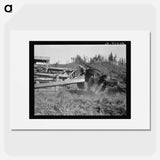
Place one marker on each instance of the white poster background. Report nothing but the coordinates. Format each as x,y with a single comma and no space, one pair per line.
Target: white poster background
140,80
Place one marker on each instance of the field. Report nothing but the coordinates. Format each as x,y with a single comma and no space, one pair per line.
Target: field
73,101
76,102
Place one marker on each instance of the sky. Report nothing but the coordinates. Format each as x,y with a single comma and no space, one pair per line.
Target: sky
63,53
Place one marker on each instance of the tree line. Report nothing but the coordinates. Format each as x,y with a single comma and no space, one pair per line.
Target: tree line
112,59
100,58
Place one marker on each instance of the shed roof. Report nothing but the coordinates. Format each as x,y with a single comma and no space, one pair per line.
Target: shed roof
41,58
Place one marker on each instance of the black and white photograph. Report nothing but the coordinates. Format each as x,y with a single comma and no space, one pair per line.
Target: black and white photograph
80,79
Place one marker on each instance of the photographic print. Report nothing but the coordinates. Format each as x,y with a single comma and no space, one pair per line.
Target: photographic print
80,79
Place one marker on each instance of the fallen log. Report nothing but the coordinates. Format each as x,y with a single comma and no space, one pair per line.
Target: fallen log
43,79
45,75
60,83
59,69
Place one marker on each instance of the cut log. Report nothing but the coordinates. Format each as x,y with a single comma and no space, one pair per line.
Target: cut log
45,75
43,79
61,83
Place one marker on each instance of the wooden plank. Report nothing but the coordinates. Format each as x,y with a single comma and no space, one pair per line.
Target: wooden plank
43,79
44,74
62,83
59,69
50,75
52,68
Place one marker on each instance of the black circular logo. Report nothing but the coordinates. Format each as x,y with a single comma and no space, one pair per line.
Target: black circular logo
8,8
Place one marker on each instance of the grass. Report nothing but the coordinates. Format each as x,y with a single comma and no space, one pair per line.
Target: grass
78,102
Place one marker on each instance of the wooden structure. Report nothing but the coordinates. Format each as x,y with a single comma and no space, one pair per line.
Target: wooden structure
49,76
41,60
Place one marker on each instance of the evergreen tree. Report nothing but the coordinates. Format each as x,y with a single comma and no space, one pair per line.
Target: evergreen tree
110,57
